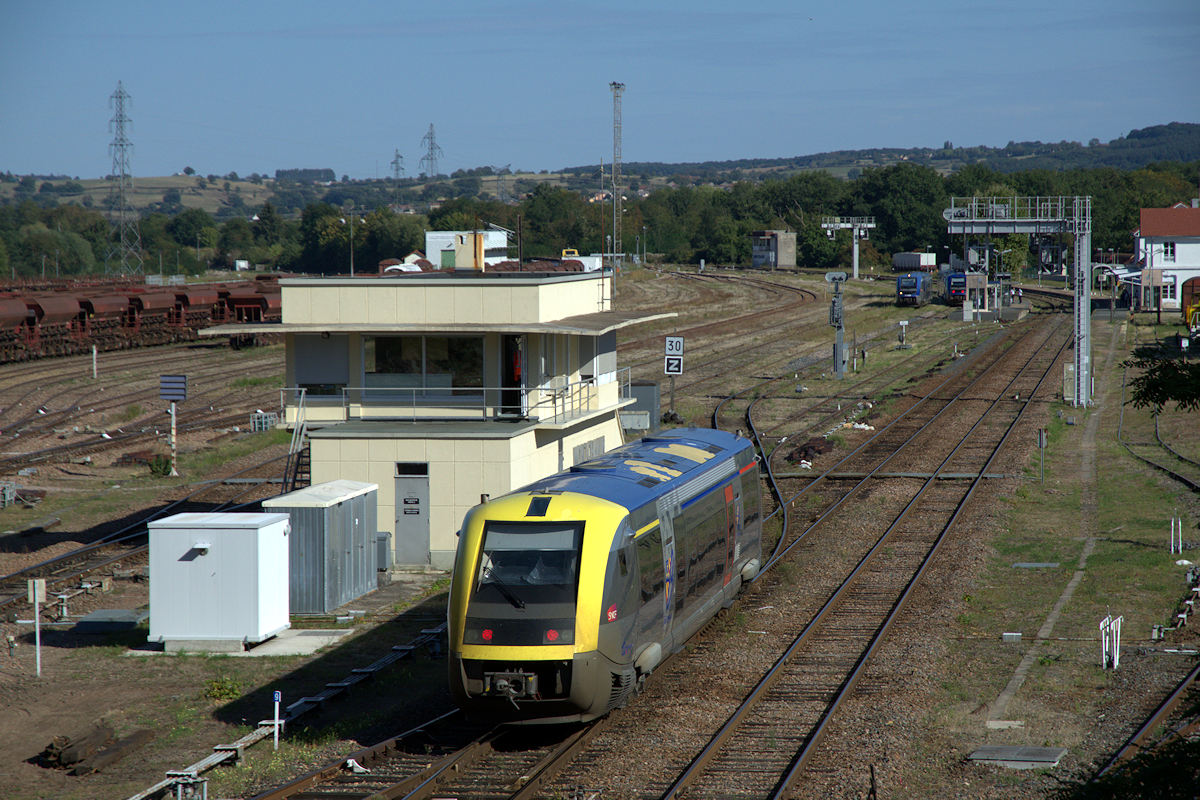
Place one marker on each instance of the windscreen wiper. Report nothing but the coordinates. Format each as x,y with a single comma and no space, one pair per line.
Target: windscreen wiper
508,593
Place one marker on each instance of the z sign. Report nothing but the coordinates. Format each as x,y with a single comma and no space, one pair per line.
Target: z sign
673,365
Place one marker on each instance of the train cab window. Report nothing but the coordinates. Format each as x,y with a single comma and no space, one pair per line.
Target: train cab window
520,556
525,585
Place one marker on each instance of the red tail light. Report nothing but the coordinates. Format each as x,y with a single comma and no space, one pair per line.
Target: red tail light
551,635
487,634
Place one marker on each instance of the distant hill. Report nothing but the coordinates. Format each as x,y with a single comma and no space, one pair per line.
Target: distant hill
1177,141
230,196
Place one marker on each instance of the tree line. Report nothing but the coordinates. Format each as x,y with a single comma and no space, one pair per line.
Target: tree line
677,224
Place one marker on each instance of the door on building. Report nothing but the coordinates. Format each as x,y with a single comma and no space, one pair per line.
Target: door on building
512,377
412,513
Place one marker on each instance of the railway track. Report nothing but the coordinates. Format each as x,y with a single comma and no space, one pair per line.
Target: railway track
513,775
763,748
1154,731
126,545
1157,453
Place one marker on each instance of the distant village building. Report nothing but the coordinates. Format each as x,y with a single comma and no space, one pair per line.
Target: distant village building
1167,256
773,249
466,249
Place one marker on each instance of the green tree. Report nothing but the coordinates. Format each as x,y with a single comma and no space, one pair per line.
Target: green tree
907,202
193,227
324,241
1163,380
268,227
388,235
236,236
52,251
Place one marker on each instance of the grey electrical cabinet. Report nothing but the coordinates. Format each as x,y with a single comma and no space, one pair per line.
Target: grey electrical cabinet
333,554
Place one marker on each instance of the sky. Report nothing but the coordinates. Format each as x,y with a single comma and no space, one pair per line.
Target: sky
258,86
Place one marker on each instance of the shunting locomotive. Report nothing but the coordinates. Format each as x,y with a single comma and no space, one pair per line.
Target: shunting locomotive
568,592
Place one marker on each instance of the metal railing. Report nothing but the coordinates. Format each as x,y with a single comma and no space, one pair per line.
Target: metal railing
298,437
1047,209
556,400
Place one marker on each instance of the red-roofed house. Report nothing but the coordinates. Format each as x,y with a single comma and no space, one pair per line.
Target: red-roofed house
1167,244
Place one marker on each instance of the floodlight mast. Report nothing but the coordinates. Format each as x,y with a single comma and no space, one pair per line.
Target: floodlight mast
617,89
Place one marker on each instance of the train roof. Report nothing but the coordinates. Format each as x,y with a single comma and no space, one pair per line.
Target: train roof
643,471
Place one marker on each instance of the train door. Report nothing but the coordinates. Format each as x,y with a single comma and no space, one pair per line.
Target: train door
412,513
672,575
731,529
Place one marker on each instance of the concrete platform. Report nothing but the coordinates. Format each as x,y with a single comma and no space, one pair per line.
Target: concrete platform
1017,756
111,620
290,642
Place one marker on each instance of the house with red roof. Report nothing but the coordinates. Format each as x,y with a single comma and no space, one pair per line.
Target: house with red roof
1167,253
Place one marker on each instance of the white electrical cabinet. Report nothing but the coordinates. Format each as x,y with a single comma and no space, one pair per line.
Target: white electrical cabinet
218,580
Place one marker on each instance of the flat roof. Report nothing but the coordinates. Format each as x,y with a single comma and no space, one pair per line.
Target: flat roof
465,277
397,429
595,324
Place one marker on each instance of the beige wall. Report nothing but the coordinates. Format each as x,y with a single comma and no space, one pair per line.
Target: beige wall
416,301
460,470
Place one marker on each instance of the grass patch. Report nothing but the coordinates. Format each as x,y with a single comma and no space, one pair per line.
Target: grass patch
206,461
222,687
130,413
252,381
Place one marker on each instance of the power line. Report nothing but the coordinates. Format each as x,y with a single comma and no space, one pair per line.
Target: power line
432,151
397,171
120,205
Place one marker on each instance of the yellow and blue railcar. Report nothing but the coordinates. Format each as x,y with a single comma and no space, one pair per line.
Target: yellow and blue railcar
567,593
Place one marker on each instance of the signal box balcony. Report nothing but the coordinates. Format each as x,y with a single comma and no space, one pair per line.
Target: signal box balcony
450,346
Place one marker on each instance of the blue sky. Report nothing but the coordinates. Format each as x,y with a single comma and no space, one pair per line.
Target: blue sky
259,86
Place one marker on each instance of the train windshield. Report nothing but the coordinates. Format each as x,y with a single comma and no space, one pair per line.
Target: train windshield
908,283
958,281
526,583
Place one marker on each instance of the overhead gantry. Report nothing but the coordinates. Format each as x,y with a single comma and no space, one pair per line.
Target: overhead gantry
1038,215
858,227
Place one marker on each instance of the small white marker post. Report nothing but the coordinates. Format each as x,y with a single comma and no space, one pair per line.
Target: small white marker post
278,699
1110,642
37,596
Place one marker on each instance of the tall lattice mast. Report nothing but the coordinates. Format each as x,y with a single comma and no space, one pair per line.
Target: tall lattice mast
617,89
121,213
397,172
432,151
